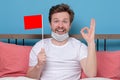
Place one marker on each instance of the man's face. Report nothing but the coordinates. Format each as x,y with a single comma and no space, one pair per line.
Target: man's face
60,22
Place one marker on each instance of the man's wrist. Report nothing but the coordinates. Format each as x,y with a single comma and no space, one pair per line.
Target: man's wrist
91,43
38,66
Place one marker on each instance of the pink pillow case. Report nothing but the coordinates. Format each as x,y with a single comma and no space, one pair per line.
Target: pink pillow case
108,65
14,59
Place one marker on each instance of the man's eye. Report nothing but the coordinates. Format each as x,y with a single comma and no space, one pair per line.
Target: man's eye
55,21
65,21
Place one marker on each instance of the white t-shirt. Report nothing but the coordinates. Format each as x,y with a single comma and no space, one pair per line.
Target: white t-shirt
62,62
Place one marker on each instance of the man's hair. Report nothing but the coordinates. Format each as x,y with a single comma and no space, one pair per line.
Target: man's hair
61,8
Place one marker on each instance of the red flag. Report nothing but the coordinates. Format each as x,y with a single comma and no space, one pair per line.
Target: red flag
33,21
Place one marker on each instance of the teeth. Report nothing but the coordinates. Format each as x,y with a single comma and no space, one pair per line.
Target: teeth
60,30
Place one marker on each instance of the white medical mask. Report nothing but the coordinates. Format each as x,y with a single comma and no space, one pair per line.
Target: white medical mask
59,37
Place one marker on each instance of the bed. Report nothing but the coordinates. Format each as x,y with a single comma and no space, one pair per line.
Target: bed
19,45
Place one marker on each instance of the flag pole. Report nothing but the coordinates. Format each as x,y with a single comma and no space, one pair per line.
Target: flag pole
42,33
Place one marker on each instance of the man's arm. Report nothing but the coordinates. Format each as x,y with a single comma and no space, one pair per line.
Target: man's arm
35,72
89,64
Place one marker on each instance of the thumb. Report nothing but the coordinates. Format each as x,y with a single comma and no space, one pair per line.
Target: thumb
42,51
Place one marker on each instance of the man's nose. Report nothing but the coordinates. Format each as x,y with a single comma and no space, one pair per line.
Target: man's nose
60,24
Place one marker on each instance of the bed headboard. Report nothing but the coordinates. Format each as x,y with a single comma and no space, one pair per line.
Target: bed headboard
98,37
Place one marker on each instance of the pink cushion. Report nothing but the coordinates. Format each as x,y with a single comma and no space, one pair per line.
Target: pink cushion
13,59
108,64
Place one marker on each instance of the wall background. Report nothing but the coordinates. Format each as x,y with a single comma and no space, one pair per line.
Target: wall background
105,12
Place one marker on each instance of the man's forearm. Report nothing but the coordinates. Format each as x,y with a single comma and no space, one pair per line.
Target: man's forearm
35,72
91,64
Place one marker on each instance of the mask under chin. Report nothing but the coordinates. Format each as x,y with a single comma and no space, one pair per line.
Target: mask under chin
60,37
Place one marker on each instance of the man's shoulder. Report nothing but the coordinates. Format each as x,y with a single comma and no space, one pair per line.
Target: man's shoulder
46,40
74,40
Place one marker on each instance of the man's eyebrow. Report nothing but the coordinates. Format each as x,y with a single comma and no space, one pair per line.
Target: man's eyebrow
55,18
65,19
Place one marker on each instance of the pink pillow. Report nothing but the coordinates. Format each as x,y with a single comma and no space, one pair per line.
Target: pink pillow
14,59
108,65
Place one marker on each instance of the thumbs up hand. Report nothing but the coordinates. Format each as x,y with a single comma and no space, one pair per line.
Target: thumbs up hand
41,57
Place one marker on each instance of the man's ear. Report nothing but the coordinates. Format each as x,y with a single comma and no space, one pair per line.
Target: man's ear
50,25
70,25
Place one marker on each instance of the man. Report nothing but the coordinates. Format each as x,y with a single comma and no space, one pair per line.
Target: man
63,57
